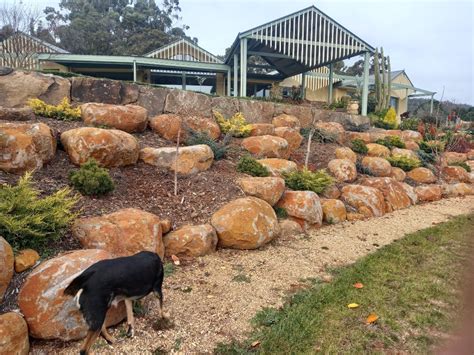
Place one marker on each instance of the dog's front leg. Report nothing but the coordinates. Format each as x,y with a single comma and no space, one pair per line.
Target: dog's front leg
130,319
90,339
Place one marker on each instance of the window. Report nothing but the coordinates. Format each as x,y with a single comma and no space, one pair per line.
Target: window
394,103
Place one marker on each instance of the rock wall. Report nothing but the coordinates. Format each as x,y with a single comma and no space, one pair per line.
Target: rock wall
17,87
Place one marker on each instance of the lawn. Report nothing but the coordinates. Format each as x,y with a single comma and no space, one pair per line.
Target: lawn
414,286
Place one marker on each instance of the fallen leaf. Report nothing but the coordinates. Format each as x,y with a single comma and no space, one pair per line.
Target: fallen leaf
358,285
372,318
255,344
175,259
352,305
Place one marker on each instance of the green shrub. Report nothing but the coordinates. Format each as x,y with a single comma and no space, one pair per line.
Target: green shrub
281,212
218,148
391,142
433,147
403,162
91,179
307,180
427,159
251,166
386,119
409,124
30,221
462,165
359,146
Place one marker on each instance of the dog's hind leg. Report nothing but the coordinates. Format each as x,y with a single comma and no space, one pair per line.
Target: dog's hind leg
130,319
159,295
90,339
110,339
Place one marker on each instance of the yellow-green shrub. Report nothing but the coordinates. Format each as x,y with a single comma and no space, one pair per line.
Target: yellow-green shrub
307,180
64,111
29,220
391,118
403,162
237,124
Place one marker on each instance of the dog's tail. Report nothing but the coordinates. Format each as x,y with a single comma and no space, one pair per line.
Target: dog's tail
78,283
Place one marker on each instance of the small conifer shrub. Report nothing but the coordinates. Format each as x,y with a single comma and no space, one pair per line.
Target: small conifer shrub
91,179
251,166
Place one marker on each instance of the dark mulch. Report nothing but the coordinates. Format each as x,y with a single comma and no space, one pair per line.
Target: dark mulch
319,157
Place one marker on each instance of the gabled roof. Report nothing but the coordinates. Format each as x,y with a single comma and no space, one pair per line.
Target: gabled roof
300,42
52,48
183,47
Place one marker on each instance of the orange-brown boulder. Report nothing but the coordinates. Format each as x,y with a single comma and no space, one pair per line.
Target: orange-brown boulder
285,120
453,157
278,167
191,160
453,174
48,312
109,147
398,174
6,266
304,206
350,136
353,216
377,150
267,146
122,233
262,129
410,192
128,118
343,170
470,163
289,228
393,192
470,155
245,223
169,125
190,240
331,192
25,146
25,259
456,190
346,153
332,129
291,135
409,135
165,225
334,211
268,189
412,145
428,193
400,152
13,334
376,134
365,200
394,132
422,175
377,166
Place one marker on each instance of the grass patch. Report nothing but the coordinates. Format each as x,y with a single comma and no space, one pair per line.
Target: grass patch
413,286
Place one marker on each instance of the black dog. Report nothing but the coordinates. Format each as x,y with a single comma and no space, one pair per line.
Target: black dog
108,282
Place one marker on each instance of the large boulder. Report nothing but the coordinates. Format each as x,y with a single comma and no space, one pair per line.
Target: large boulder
49,313
88,89
453,157
267,146
364,200
129,118
400,152
6,266
412,145
346,153
332,129
377,150
350,136
122,233
245,223
409,135
191,241
410,192
226,105
151,98
331,192
422,175
377,166
18,87
453,174
456,190
289,228
470,154
284,120
109,147
395,196
348,121
262,129
188,103
268,189
303,207
191,159
13,334
305,114
398,174
291,135
343,170
25,146
16,114
257,111
278,167
428,193
334,211
168,126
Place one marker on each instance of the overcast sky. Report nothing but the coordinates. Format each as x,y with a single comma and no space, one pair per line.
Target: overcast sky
432,40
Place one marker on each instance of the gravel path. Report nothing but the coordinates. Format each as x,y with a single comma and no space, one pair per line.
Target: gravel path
212,299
